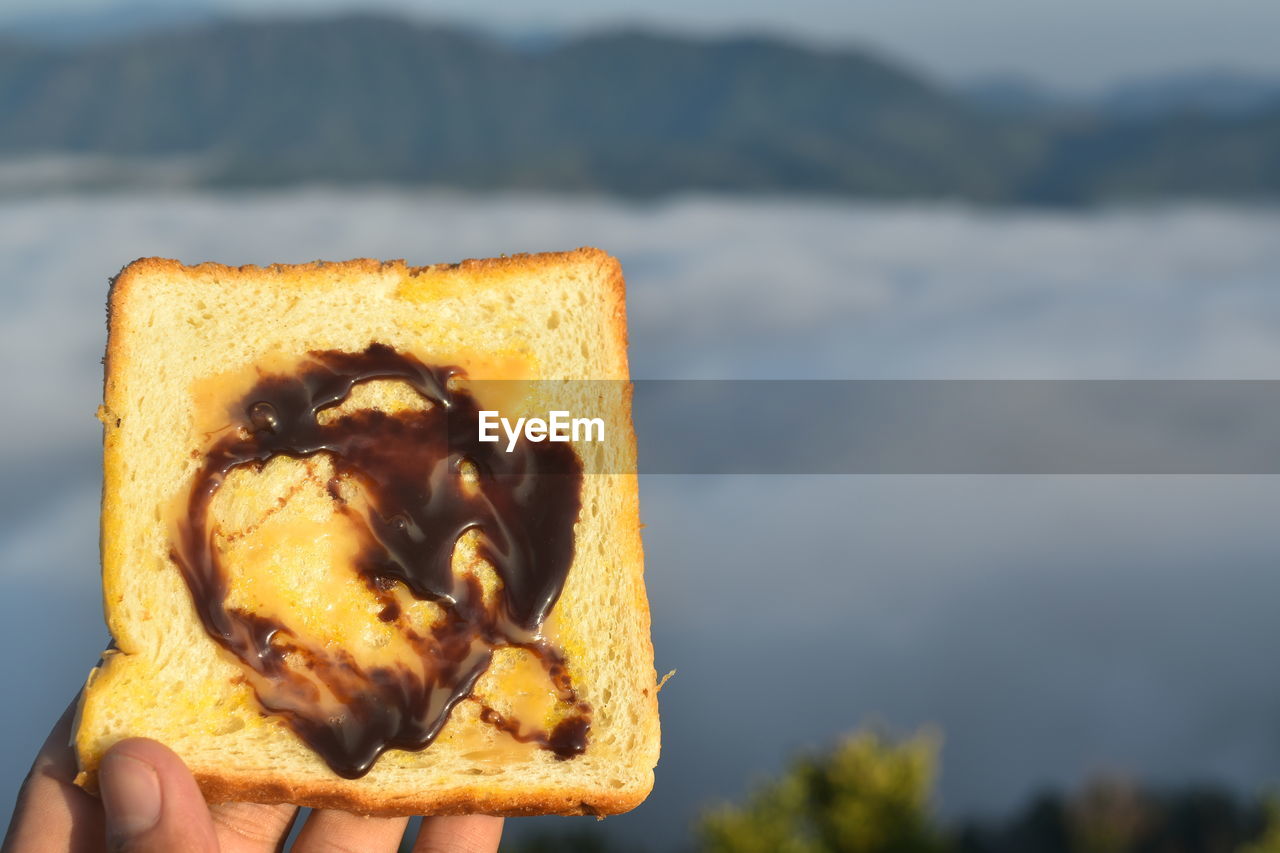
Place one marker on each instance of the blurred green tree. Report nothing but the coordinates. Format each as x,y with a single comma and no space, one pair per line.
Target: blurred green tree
1269,841
868,795
1111,815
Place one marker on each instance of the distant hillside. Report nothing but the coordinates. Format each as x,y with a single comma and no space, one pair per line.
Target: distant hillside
365,98
1213,92
1017,95
1186,156
60,25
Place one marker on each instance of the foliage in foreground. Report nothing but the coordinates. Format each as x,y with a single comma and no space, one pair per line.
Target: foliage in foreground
874,794
868,794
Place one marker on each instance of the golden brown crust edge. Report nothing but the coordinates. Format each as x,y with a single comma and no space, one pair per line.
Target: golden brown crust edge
226,788
218,788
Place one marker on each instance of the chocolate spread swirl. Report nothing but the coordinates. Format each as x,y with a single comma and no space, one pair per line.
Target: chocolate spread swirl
410,467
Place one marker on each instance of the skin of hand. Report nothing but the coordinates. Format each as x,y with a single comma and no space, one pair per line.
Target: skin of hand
150,802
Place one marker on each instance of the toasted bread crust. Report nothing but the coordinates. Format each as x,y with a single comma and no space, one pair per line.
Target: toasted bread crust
221,786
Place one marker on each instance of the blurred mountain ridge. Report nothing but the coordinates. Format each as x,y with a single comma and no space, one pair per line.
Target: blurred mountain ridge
1212,91
375,98
104,22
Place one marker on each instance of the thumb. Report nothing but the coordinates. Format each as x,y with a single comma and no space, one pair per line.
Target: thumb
152,802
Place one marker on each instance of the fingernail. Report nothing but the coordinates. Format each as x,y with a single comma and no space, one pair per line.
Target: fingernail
130,795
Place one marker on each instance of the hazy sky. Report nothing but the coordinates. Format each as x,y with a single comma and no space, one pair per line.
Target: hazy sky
1078,44
1050,626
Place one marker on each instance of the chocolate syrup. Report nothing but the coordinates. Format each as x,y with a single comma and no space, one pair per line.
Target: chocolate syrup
410,466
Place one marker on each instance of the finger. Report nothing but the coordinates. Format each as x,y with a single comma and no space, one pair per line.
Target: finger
475,833
330,831
151,801
251,827
52,813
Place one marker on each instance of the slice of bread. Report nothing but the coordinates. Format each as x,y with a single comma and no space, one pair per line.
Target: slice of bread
185,346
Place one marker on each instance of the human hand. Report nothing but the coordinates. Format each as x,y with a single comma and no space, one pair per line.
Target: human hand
150,802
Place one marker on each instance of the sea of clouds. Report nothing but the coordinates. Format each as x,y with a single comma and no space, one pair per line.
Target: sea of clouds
1051,627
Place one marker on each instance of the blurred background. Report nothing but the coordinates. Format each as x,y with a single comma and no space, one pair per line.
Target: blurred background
993,189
